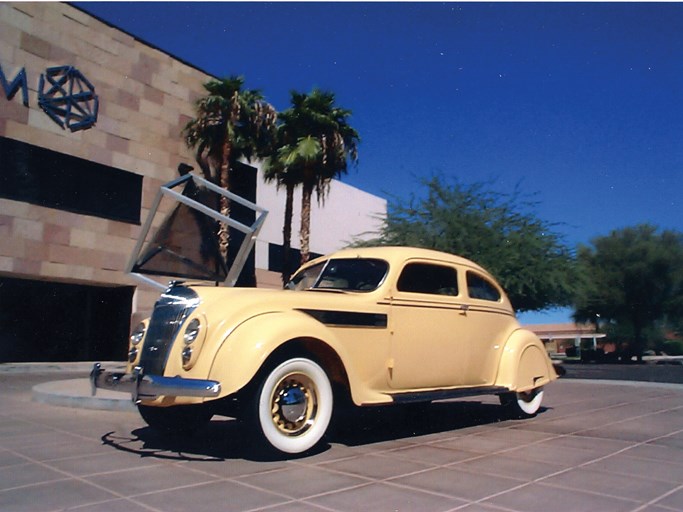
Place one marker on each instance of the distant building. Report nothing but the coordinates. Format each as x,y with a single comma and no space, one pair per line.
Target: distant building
558,338
90,127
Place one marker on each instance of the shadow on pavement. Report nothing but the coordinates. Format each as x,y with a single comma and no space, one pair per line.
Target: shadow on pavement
226,439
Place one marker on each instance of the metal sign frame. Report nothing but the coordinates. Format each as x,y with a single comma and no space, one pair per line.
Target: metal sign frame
251,232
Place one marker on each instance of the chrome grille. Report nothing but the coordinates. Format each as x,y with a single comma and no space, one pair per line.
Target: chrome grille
170,312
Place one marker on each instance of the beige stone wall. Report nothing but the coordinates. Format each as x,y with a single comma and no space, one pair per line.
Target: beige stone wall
146,97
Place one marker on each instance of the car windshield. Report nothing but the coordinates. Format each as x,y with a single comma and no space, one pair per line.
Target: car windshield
353,274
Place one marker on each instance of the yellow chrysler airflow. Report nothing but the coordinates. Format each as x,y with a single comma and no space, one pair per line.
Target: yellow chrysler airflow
375,326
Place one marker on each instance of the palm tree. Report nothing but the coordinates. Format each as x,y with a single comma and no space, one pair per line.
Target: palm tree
315,145
231,123
285,167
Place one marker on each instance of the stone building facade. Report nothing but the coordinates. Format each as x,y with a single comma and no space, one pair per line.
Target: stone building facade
90,128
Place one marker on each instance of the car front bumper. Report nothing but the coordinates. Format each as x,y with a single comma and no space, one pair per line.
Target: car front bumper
142,386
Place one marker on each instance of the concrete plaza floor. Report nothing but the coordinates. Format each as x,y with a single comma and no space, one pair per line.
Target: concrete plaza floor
598,446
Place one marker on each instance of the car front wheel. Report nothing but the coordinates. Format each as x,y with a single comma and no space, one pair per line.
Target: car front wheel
294,405
523,405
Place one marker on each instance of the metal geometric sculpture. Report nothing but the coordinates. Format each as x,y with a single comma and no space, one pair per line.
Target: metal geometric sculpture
186,243
70,99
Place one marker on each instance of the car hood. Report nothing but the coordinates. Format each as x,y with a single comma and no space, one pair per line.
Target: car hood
235,305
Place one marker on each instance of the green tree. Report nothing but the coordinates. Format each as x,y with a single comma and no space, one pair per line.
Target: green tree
285,167
315,145
231,123
499,231
633,279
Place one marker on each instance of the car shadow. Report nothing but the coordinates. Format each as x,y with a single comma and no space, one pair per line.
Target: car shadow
226,438
380,424
222,439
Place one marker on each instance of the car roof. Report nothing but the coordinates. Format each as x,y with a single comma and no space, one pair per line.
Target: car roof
397,255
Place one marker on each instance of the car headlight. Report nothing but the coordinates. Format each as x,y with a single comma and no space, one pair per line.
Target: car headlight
193,337
192,331
187,356
138,334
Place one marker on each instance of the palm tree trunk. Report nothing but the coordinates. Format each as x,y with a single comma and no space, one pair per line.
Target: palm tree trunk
305,232
224,182
287,234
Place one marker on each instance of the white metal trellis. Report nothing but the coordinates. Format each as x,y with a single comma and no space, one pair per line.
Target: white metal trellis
251,232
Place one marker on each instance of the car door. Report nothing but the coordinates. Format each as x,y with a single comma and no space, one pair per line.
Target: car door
489,322
426,322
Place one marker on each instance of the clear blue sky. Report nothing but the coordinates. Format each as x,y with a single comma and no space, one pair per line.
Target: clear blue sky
581,103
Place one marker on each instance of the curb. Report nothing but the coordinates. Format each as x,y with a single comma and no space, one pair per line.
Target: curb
78,367
76,393
627,383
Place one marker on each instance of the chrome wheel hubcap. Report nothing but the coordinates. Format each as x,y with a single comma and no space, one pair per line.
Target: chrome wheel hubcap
294,404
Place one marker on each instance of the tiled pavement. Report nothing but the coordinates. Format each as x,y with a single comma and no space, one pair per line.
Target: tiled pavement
598,446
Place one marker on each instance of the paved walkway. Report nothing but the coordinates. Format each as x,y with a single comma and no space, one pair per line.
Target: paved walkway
597,446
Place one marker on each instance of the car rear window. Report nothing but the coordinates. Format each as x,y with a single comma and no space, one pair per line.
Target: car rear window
479,287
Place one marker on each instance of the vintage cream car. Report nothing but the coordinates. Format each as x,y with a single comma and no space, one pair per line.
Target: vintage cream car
371,326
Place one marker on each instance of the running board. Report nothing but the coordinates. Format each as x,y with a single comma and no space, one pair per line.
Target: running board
445,394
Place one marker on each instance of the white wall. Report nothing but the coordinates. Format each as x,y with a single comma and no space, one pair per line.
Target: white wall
347,213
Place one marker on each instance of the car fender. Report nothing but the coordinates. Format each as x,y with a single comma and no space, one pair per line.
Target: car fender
247,347
524,364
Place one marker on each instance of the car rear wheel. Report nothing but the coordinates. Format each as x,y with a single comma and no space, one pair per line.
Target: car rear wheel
178,419
523,405
294,406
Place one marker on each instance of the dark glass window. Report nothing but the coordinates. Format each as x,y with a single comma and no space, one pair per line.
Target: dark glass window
428,278
479,287
50,321
47,178
276,258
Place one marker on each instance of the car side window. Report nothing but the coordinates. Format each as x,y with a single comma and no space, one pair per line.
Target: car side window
479,287
428,278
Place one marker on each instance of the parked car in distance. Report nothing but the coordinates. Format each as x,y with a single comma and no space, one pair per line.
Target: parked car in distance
369,326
